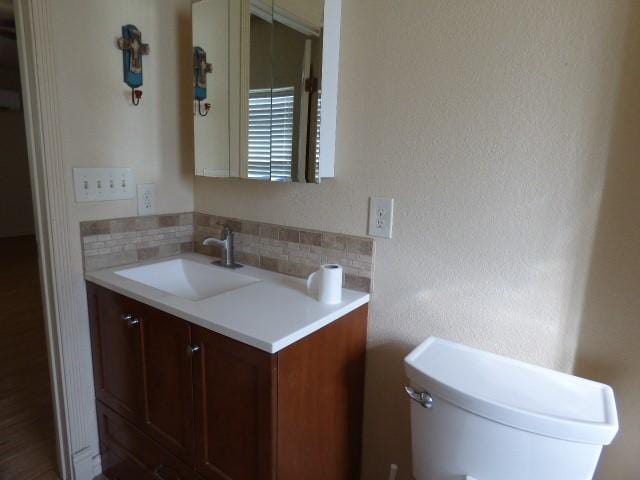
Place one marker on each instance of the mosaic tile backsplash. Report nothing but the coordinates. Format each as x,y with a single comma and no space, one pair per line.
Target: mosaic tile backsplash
109,243
287,250
292,251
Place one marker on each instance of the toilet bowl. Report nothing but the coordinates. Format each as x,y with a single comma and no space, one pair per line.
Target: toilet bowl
480,416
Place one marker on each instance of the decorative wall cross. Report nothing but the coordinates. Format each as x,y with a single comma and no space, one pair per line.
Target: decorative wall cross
132,51
200,70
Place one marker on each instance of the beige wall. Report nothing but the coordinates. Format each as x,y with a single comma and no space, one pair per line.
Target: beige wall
99,127
609,342
492,124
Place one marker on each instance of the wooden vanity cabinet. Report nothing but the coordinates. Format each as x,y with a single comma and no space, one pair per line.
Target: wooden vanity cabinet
235,400
142,369
178,401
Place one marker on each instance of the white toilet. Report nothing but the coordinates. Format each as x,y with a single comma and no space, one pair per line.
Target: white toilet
481,416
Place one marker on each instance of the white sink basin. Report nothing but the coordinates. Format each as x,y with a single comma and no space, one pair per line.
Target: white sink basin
187,279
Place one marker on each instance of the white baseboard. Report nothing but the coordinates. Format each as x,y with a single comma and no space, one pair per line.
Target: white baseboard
85,466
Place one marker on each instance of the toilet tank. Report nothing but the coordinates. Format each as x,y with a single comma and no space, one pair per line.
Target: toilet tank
487,417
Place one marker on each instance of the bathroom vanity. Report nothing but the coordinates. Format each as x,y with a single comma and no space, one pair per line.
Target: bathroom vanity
249,379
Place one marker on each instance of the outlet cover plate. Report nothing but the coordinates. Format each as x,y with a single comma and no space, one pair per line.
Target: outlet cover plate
380,217
146,199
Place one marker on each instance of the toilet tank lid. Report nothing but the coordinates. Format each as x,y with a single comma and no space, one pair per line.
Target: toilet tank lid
514,393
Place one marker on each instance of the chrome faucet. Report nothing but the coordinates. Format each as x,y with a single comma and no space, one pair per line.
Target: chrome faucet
226,242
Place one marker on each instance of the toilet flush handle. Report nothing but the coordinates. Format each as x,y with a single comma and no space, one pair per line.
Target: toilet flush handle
423,398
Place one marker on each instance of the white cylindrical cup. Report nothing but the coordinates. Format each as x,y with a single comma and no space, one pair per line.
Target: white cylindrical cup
325,284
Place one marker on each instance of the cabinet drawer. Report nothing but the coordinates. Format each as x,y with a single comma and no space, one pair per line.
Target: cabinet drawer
117,467
130,454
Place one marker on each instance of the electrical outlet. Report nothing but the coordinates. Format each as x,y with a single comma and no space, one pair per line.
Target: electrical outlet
380,217
146,199
98,184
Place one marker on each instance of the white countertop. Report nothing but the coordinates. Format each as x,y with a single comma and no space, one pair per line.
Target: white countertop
270,314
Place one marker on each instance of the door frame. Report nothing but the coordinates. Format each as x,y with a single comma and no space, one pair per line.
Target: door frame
64,308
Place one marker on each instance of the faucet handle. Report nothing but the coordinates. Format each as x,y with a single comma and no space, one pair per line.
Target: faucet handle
226,229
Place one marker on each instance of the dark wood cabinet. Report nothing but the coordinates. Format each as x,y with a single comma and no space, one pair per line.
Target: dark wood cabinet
129,454
167,383
117,351
235,408
142,367
176,400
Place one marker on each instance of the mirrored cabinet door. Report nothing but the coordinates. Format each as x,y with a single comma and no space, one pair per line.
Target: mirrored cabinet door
285,67
265,88
257,73
216,26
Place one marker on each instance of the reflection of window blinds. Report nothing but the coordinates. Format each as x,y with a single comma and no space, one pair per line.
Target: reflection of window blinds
270,133
281,133
318,115
259,134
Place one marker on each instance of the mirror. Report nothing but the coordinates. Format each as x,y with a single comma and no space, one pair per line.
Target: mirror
258,70
285,65
216,92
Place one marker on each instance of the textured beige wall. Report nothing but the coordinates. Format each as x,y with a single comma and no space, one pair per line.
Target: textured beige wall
99,127
609,342
492,124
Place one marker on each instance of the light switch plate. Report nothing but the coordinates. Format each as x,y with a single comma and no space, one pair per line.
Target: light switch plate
146,199
380,217
99,184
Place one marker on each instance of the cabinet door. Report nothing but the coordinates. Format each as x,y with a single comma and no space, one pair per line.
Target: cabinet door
234,387
142,368
117,351
168,389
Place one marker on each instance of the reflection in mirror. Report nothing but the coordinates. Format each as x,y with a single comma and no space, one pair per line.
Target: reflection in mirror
260,87
216,45
284,90
257,88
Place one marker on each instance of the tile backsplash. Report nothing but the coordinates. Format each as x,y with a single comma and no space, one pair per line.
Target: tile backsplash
287,250
292,251
109,243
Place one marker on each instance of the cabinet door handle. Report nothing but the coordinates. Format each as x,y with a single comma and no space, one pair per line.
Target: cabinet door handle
193,349
130,319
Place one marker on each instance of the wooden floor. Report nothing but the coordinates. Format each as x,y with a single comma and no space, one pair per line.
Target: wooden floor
27,448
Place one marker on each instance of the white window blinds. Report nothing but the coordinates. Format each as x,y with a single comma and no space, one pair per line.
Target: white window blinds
318,117
270,133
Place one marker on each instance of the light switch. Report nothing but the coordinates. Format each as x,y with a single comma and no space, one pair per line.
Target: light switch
380,217
98,184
